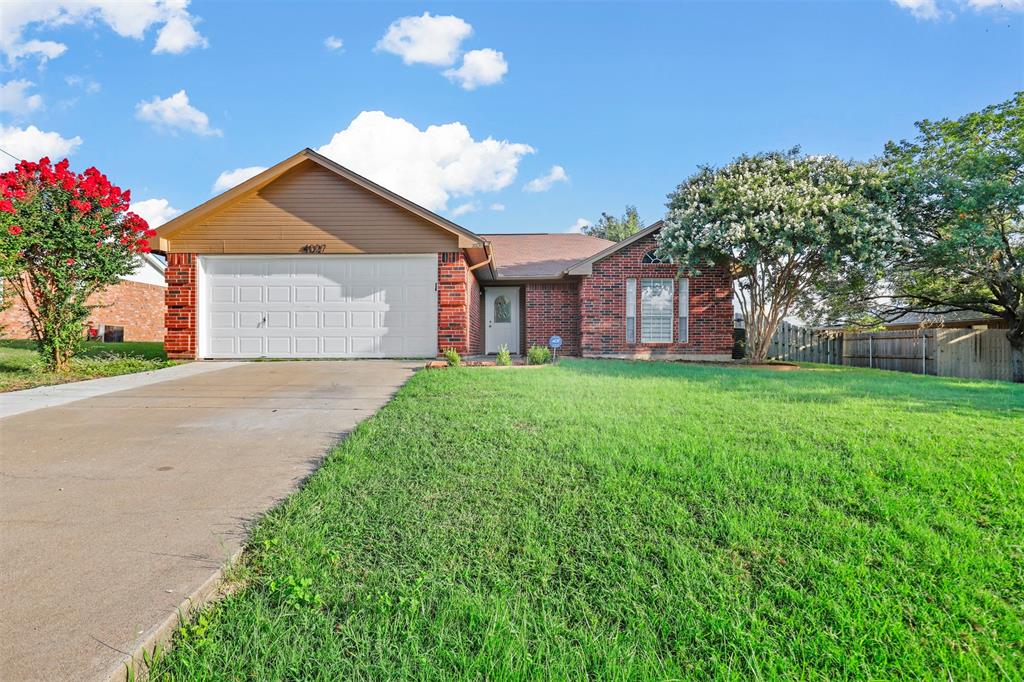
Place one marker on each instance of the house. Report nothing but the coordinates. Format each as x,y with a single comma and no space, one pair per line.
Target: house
131,310
309,259
952,319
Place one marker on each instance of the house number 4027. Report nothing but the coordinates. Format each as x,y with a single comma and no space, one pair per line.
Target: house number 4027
313,248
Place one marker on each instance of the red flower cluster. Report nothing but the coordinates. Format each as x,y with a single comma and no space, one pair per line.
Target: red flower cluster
89,192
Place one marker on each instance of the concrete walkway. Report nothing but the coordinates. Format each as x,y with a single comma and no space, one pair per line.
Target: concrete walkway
19,402
116,510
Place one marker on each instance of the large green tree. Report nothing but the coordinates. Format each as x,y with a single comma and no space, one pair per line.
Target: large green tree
790,226
958,192
616,229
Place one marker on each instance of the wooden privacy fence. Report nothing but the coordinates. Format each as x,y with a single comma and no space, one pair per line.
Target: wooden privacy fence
800,344
968,353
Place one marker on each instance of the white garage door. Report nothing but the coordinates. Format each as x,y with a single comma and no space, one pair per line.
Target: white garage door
318,306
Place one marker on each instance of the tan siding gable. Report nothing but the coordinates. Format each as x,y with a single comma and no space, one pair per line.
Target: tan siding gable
312,205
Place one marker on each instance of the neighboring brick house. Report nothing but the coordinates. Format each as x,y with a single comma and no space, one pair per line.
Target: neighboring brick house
131,310
309,259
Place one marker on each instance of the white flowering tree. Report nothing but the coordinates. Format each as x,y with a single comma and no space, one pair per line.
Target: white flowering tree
793,228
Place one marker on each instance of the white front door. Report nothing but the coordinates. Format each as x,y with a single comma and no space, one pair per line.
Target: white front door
318,306
502,315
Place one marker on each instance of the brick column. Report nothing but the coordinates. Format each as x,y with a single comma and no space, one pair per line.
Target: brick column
180,298
452,302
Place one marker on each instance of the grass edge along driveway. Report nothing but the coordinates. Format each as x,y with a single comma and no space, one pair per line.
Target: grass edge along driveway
642,521
21,367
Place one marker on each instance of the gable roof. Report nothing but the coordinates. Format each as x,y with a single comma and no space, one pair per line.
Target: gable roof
467,239
541,255
585,266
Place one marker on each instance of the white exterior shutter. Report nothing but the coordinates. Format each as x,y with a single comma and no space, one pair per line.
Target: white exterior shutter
630,311
684,310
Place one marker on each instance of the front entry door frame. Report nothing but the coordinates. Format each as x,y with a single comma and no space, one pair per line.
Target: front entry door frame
501,316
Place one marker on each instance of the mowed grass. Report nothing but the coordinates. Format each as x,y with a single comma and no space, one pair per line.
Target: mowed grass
622,521
21,367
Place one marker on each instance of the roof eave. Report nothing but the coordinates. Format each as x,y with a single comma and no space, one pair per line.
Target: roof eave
586,266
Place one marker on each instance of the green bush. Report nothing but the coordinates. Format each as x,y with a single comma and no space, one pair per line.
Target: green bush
538,355
504,358
453,357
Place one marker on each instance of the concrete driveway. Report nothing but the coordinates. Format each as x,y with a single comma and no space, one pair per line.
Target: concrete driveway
115,510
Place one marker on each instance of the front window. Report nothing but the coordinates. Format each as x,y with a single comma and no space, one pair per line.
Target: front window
502,309
656,313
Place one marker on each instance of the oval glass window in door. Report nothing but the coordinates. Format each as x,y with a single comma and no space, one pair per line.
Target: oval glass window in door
502,309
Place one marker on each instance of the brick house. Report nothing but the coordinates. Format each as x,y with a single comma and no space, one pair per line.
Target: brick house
309,259
131,310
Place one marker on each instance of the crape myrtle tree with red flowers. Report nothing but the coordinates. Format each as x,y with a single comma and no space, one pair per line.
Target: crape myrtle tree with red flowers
63,237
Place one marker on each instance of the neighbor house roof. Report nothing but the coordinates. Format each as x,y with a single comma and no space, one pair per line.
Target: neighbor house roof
541,255
934,318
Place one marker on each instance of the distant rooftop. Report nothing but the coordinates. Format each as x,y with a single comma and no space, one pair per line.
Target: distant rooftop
541,254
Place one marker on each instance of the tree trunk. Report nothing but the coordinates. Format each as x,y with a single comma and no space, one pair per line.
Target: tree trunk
1016,337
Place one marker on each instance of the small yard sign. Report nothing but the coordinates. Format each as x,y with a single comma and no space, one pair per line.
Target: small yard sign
555,342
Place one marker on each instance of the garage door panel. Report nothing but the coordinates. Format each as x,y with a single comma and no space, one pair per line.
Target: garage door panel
279,294
307,346
336,345
335,319
362,319
306,293
250,294
250,345
279,319
319,306
250,319
279,345
307,319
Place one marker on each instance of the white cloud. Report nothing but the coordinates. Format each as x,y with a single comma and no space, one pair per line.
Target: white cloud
178,35
32,144
175,113
933,10
229,179
426,166
547,181
334,43
156,212
127,19
15,100
1010,5
89,85
463,209
497,207
426,39
577,227
922,9
479,67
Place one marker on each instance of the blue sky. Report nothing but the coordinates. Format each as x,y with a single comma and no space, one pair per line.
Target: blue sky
625,99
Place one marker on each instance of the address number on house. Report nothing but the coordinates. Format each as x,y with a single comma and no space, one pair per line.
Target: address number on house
313,248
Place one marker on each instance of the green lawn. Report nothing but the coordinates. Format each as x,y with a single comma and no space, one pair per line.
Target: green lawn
623,521
20,366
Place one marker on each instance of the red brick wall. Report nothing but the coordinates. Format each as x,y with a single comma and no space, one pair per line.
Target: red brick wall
553,309
475,323
453,304
180,316
603,307
137,307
